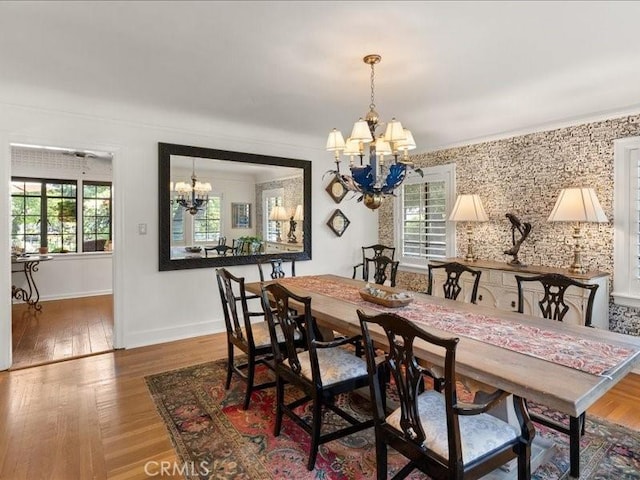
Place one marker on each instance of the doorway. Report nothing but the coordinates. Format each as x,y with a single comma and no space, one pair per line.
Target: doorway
61,214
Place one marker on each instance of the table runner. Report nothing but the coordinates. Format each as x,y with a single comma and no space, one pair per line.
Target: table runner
594,357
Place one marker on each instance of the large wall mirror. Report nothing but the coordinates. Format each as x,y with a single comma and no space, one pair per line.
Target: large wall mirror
220,208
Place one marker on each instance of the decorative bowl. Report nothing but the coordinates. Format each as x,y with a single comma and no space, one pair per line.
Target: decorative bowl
384,297
193,249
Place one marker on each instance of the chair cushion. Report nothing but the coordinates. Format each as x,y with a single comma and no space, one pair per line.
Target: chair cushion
479,434
336,364
262,337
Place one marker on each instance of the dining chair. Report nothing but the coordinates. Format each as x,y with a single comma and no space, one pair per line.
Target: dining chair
277,268
321,372
369,253
553,307
251,338
451,286
439,435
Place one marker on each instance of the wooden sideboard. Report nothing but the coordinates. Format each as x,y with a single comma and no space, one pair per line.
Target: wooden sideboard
498,288
276,247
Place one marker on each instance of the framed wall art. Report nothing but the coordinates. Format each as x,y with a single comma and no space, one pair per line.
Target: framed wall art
336,190
240,215
338,222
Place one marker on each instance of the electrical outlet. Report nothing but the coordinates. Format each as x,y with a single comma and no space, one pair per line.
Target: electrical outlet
142,229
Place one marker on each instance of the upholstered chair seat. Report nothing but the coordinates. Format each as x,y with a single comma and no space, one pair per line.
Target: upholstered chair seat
261,336
479,434
336,365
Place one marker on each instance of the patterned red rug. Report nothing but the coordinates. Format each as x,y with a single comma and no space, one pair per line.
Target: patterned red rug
216,439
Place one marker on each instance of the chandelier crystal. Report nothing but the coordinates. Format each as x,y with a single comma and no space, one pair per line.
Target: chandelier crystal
380,177
192,196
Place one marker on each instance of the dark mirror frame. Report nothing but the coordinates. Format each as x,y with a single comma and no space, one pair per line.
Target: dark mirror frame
165,150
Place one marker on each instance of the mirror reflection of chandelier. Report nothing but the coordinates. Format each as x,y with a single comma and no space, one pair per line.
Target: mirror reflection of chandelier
192,196
380,177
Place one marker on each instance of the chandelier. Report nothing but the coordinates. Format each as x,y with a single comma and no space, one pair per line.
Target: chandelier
194,196
380,177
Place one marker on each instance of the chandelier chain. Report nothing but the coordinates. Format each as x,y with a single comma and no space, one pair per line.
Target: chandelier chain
373,74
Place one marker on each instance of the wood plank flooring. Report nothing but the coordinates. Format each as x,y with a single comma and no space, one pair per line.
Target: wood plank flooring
93,417
63,329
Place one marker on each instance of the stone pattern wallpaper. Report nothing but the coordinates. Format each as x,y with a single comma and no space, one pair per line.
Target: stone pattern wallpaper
523,175
293,195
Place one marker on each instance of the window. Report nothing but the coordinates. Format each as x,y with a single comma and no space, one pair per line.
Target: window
96,215
626,252
44,212
270,199
422,207
206,223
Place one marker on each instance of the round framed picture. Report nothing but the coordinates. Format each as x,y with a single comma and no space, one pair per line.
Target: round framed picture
336,189
338,222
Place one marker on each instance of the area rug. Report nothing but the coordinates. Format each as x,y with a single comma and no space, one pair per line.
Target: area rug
215,439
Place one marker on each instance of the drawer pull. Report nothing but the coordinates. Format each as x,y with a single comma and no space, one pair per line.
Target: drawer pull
480,298
513,304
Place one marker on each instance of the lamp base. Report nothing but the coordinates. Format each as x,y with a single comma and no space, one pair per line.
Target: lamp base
470,257
577,266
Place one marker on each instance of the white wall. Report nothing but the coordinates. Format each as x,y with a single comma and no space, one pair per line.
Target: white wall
71,276
153,306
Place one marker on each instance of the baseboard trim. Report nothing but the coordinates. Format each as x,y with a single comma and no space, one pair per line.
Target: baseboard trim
170,334
94,293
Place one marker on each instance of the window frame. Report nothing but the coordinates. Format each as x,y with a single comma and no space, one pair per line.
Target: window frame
446,173
267,232
626,222
96,183
79,210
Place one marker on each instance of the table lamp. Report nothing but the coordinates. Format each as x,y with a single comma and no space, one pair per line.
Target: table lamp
577,205
279,214
469,209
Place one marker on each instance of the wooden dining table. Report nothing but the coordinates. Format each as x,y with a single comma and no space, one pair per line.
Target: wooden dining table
567,389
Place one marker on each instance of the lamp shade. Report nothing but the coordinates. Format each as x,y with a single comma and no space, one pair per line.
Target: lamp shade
279,213
468,208
335,141
361,132
577,205
299,213
352,147
408,143
394,131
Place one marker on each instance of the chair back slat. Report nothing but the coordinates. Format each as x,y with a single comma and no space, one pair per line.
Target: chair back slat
451,286
552,304
277,268
278,311
232,292
407,374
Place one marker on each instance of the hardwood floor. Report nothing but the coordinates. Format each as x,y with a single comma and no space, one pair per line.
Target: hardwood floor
63,329
93,417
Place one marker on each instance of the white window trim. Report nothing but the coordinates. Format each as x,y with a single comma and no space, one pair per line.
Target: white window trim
626,285
275,192
446,173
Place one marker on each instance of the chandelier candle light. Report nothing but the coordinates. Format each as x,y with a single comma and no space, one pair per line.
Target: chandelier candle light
380,177
192,197
469,208
577,205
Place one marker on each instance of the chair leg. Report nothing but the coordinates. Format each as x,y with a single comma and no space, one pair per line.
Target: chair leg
381,458
279,402
315,432
251,368
524,463
229,365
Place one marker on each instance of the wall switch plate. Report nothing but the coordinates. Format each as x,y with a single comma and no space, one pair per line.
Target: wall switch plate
142,229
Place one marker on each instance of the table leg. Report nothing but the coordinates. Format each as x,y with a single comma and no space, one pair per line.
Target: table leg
574,446
32,295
